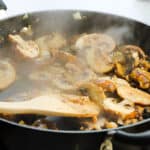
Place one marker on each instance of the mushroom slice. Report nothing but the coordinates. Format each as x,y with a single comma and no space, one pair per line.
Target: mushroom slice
73,74
51,41
123,109
64,57
142,77
135,95
126,58
27,49
7,74
93,91
145,64
96,49
96,40
100,63
109,84
106,84
119,81
134,50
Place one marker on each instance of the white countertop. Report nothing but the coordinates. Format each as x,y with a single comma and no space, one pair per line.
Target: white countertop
135,9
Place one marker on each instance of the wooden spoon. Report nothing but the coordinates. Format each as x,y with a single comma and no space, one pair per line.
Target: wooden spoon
52,105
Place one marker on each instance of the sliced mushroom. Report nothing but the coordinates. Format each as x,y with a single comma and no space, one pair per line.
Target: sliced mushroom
133,49
106,84
64,57
109,84
119,81
142,77
145,64
133,94
100,63
26,49
126,58
96,50
7,74
96,40
93,91
123,109
74,73
72,41
51,41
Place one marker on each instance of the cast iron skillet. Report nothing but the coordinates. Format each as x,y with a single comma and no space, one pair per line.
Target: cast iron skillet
21,137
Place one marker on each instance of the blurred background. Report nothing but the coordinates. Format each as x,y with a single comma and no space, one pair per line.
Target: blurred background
135,9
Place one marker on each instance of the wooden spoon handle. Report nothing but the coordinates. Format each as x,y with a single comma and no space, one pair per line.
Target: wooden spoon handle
50,105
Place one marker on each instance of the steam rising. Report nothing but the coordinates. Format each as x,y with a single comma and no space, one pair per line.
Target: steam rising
67,24
120,34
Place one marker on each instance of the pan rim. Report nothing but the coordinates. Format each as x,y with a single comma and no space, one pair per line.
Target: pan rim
28,127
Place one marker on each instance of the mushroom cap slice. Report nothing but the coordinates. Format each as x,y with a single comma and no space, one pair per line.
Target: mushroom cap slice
109,84
96,40
142,77
132,49
100,63
105,83
7,74
26,49
121,109
119,81
135,95
51,41
96,49
95,92
126,58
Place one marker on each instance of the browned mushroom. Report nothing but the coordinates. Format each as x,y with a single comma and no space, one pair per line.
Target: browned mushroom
109,84
96,49
133,94
145,64
119,81
7,74
123,109
105,83
126,58
142,77
135,50
26,49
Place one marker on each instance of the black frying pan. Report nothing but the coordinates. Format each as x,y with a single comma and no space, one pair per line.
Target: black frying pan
20,137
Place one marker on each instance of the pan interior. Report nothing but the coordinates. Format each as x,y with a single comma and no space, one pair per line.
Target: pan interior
123,30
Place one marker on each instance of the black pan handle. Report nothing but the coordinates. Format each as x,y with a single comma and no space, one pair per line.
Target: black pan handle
2,5
140,138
